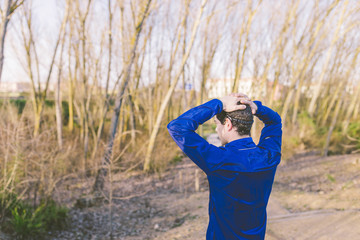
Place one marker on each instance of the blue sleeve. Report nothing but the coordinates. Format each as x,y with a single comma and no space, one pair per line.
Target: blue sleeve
182,130
271,134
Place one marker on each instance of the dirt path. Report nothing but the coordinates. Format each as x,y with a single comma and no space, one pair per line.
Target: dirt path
282,224
315,224
319,198
322,224
313,198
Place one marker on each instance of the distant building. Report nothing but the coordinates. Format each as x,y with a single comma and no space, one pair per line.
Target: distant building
250,86
15,87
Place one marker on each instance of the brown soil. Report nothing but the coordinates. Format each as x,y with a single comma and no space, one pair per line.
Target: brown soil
312,198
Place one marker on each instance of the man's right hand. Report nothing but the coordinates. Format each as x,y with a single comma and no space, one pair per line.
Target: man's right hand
251,104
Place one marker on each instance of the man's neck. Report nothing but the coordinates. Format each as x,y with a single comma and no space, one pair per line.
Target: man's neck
237,137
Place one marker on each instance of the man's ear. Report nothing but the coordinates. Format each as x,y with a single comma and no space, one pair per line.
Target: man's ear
228,125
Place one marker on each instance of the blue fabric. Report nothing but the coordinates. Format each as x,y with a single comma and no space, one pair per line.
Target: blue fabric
240,174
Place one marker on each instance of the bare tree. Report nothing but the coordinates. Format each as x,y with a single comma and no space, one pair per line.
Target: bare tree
244,41
58,87
6,12
100,178
104,108
166,100
336,36
39,93
210,46
352,106
340,102
300,69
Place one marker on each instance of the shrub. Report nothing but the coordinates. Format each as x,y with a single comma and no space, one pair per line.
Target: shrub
354,129
20,104
8,201
27,222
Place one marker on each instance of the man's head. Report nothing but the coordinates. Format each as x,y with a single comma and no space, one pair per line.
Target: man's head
232,125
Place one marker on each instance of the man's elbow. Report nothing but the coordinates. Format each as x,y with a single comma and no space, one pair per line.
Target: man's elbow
181,126
278,119
173,127
170,126
275,120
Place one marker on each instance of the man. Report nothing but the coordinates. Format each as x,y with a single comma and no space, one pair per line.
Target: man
240,174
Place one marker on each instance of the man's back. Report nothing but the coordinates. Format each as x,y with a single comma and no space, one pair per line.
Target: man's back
240,174
239,191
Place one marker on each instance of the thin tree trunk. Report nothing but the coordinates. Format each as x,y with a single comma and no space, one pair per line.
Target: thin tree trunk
355,98
72,75
332,103
356,110
105,107
39,95
166,100
58,112
132,122
100,178
208,57
184,98
336,36
333,123
71,104
9,8
3,27
245,29
281,46
57,95
85,100
300,72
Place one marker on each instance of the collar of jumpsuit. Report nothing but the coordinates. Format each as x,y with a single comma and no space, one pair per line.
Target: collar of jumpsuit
240,174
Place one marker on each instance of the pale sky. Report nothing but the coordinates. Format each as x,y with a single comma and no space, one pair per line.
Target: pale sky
46,18
48,14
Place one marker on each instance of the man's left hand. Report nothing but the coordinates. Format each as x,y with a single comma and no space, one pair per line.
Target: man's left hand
233,103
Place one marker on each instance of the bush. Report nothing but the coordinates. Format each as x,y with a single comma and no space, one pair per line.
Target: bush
8,201
20,104
354,129
27,222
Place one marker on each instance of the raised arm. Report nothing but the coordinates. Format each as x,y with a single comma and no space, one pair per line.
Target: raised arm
271,134
182,130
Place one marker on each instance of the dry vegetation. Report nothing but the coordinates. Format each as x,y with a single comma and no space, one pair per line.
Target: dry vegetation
122,70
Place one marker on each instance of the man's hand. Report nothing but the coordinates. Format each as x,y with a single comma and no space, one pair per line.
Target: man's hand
231,103
237,101
251,104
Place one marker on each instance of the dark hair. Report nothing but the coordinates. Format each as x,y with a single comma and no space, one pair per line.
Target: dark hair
241,119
